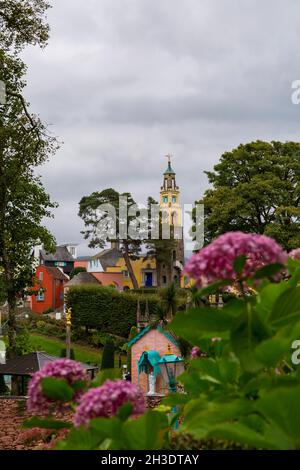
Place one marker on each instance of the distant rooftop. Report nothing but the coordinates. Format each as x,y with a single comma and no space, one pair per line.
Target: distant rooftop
61,254
30,363
82,278
56,273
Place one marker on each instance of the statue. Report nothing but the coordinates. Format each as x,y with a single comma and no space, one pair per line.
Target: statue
152,380
69,316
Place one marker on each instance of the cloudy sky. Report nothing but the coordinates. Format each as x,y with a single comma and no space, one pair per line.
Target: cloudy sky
123,82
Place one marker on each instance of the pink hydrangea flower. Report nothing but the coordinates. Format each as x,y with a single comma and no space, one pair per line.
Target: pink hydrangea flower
105,401
215,262
196,352
295,254
67,369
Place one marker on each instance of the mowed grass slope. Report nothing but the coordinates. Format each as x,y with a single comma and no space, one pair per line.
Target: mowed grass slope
54,346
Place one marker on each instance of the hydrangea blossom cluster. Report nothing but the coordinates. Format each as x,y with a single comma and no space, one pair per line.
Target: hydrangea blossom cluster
105,401
67,369
216,261
196,352
295,254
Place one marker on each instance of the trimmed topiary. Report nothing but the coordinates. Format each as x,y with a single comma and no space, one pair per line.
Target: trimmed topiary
108,357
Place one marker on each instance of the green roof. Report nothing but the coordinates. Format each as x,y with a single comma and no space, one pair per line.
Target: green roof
169,170
148,328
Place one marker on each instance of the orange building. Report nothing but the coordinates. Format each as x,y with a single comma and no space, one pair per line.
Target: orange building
49,288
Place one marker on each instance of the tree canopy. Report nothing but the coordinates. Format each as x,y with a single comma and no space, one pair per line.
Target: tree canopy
100,227
256,188
25,143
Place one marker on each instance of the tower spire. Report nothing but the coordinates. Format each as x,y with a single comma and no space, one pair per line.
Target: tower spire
169,170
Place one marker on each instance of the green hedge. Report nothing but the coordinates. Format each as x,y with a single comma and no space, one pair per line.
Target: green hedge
107,310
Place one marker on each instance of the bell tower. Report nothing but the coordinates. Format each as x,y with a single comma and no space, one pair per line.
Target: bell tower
170,196
172,214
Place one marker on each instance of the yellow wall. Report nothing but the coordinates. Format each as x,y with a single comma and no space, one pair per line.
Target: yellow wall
137,266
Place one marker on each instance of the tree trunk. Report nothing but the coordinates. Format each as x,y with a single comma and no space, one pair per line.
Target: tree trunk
12,327
158,273
129,267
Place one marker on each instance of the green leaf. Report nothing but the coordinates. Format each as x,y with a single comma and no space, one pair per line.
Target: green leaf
174,399
271,351
46,424
200,415
208,370
197,322
271,439
268,271
267,297
106,374
213,288
125,411
106,428
80,439
286,309
294,269
246,334
281,408
147,432
229,368
57,389
79,385
239,264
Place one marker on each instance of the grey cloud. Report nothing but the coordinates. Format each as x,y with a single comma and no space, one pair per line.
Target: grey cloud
125,81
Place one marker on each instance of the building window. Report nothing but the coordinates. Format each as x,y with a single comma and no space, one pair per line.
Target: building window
41,296
60,264
126,274
174,199
41,275
164,279
72,250
165,199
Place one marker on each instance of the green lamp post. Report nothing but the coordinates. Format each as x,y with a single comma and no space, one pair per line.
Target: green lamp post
171,366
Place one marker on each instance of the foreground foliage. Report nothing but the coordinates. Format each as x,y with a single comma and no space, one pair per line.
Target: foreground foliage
244,390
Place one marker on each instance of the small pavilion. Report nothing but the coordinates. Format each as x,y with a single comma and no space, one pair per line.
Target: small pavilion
25,366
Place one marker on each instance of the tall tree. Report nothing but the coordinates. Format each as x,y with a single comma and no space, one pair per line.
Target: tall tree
256,188
23,23
99,235
24,145
161,249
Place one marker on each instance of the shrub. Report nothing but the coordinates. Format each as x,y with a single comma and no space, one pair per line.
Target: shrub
40,325
77,270
108,358
105,309
133,333
47,311
23,342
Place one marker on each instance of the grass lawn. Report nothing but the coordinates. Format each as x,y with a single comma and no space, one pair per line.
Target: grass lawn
54,346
